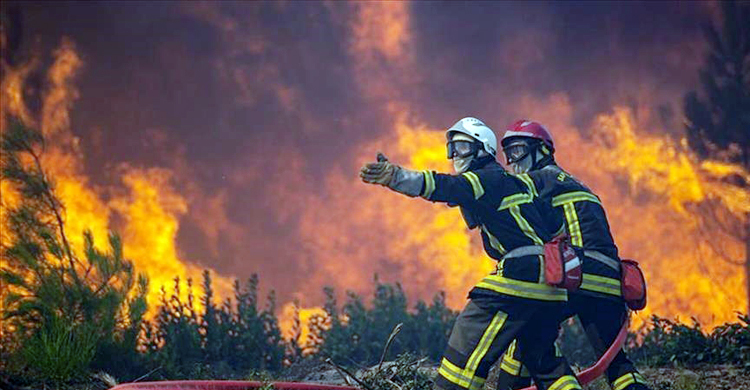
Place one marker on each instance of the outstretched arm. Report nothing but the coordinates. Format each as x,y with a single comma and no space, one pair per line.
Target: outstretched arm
463,190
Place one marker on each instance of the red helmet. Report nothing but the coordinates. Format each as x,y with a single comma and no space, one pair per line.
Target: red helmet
530,129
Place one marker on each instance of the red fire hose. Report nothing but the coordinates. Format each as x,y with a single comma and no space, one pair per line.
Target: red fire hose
584,377
591,373
226,385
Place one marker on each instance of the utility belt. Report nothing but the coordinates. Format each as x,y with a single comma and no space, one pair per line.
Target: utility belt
604,259
509,284
562,265
632,281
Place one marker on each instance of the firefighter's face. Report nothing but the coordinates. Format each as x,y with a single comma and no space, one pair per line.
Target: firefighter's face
461,149
518,155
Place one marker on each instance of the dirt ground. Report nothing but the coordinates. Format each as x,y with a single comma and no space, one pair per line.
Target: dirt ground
708,377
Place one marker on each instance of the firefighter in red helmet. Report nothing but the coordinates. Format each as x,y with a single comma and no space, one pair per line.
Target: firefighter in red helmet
529,151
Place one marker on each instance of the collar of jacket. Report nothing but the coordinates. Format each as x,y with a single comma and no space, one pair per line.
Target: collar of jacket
481,162
544,162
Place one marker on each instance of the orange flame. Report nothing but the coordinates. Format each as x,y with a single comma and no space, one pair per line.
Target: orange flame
150,211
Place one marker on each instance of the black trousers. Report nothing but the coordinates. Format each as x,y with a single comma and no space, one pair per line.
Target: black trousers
602,319
485,328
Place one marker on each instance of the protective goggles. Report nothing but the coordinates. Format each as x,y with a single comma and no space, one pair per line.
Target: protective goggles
461,148
516,151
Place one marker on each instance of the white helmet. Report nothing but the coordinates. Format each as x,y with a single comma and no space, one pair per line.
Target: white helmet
477,130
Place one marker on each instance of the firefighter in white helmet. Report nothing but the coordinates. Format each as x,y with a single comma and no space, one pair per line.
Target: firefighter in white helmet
512,302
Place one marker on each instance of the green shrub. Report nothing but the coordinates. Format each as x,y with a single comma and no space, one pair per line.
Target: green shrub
60,352
221,342
669,342
356,334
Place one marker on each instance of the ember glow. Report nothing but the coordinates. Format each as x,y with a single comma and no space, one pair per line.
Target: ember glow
212,136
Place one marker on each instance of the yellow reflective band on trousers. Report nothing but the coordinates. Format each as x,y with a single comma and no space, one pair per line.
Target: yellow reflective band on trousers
574,226
453,374
529,183
511,365
576,196
627,380
466,378
515,211
494,242
522,289
476,185
566,382
601,284
429,184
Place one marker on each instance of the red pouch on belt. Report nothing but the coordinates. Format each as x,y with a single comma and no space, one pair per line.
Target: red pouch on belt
562,267
633,285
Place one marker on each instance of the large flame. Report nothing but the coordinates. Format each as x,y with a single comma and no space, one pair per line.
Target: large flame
150,208
655,192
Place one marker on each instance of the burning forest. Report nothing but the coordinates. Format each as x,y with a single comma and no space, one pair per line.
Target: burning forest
227,137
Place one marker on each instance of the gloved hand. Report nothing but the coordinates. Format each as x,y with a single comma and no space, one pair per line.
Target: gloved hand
381,172
399,179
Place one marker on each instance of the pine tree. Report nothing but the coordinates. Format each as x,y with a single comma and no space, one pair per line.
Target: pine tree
50,289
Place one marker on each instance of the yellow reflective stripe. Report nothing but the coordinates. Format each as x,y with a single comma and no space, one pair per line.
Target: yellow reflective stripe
454,374
476,185
576,196
529,183
515,211
509,364
494,242
484,343
510,367
574,226
522,289
566,382
429,184
514,200
627,380
601,284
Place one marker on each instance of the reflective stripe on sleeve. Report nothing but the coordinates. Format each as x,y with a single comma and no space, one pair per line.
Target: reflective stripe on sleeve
429,184
476,185
577,196
518,288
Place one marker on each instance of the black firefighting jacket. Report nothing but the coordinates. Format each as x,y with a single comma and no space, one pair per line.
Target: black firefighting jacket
509,217
586,224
